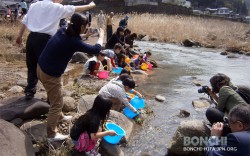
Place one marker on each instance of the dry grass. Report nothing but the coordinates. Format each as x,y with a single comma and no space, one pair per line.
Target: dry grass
166,28
174,28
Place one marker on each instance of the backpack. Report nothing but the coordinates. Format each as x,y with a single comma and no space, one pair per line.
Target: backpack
244,92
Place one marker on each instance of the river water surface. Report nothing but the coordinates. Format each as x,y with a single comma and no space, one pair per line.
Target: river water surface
178,68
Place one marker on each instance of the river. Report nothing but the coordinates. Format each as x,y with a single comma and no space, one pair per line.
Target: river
178,67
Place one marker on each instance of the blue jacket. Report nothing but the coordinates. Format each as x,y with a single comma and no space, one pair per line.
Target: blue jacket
60,49
238,140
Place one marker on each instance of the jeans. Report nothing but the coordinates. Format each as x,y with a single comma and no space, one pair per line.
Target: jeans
214,115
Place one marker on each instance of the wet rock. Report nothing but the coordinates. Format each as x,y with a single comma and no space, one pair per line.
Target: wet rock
224,53
37,130
16,89
248,54
18,107
241,52
154,63
79,57
190,43
121,120
233,49
140,36
188,129
198,82
69,104
146,38
160,98
17,122
183,114
153,39
14,141
110,149
232,56
22,83
86,102
200,104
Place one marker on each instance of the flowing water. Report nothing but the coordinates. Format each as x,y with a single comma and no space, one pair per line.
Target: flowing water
179,67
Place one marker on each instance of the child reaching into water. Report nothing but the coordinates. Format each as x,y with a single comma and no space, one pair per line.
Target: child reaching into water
138,61
86,131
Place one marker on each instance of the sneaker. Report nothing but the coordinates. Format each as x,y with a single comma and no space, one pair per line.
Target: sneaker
66,118
29,96
58,137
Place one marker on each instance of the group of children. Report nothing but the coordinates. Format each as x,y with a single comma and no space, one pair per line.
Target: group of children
117,53
90,126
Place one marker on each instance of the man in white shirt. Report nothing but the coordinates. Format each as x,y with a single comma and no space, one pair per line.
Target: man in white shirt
101,20
42,20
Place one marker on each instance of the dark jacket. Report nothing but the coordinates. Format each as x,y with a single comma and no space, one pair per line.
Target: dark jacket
238,144
60,49
115,38
123,23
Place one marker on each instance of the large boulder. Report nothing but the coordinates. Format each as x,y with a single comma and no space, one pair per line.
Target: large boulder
18,107
187,131
69,104
199,104
79,57
37,130
14,141
86,102
190,43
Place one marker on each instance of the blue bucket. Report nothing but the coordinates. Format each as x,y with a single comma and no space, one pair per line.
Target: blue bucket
129,113
137,102
119,131
118,70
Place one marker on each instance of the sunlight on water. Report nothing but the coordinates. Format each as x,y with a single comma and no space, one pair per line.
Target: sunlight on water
179,66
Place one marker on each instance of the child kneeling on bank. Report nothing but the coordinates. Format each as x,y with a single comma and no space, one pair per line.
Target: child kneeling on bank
87,129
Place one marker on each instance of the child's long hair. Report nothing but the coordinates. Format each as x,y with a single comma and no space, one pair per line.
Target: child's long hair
76,22
92,119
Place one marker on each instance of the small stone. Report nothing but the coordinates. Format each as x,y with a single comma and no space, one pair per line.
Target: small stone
183,114
22,83
16,89
160,98
200,104
224,53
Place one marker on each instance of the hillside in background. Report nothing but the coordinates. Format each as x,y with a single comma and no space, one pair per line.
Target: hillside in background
238,6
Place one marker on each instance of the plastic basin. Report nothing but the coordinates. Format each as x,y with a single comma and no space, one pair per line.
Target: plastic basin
144,66
137,102
119,131
118,70
129,113
103,74
150,66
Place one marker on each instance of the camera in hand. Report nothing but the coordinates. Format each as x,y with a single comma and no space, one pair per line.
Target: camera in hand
226,129
203,89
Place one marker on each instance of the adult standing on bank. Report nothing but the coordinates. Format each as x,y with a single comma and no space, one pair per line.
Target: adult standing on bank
100,20
53,62
110,25
42,21
124,22
24,7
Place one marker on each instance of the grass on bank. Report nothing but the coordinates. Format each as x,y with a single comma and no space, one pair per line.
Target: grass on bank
165,28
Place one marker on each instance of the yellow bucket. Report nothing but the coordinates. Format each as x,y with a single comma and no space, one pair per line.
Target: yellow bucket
144,66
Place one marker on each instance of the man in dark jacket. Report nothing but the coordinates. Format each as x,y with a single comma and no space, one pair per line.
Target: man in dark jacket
237,142
124,22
